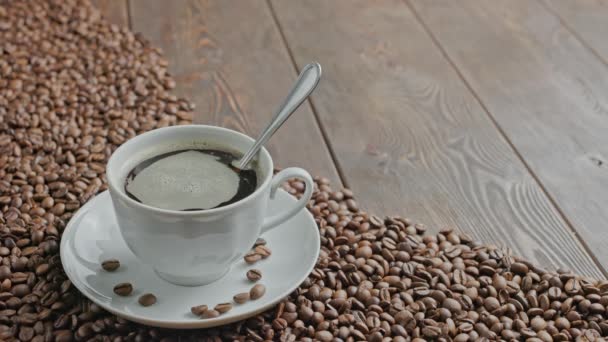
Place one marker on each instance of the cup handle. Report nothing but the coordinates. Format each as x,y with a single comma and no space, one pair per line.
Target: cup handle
277,180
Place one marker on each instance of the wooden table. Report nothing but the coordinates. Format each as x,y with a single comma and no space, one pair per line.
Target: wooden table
487,116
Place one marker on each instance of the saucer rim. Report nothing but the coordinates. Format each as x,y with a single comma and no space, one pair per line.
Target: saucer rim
183,323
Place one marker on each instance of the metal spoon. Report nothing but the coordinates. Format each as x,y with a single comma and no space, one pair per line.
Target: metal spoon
305,84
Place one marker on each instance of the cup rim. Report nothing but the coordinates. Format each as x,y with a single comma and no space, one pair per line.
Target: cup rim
114,189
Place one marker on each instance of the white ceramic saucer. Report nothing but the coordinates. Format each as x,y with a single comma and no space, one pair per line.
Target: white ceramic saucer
92,236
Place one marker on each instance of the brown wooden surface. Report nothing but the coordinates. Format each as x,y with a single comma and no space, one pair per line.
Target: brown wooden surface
588,19
236,77
487,116
545,90
116,11
424,145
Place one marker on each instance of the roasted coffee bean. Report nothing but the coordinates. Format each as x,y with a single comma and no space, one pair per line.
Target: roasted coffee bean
452,304
259,242
538,323
21,290
519,268
562,323
324,336
363,252
257,291
199,309
123,289
26,333
110,265
63,336
263,251
5,272
210,314
223,307
280,324
241,298
252,257
147,299
254,275
491,304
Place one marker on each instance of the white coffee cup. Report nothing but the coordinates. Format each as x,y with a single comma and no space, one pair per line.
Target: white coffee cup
196,247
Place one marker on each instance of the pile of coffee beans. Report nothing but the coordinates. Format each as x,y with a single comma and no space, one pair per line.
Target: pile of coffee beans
73,88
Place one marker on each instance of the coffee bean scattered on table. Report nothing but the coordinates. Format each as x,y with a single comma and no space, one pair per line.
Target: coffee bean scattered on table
254,275
123,289
110,265
73,88
147,299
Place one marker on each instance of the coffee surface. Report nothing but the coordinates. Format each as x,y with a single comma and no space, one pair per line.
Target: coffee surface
190,180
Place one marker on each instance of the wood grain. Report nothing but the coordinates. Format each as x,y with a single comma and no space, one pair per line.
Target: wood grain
545,90
588,19
410,137
228,58
115,11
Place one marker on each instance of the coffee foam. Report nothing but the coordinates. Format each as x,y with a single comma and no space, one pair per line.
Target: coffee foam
185,180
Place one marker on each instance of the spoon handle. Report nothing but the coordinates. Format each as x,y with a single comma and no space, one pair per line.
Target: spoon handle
305,84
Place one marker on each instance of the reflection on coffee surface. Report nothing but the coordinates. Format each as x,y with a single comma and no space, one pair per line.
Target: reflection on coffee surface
190,180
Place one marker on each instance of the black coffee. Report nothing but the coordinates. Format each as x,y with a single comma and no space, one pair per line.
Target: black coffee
190,180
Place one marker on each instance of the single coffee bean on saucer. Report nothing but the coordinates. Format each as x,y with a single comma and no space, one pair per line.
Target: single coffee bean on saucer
263,251
123,289
210,314
199,309
110,265
252,257
259,242
147,299
241,298
254,275
223,307
257,291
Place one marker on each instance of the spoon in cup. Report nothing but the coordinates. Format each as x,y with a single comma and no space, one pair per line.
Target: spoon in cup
303,87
